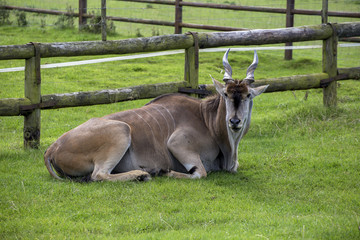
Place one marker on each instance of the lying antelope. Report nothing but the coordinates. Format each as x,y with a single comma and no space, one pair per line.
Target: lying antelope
173,135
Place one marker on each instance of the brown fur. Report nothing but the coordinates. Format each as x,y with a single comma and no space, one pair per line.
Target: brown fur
237,87
212,102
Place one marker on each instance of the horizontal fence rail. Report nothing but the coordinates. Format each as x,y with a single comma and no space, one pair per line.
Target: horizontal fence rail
178,22
180,4
182,41
31,105
21,106
249,8
200,5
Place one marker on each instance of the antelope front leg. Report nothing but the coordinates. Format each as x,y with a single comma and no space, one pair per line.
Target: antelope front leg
184,149
126,176
175,174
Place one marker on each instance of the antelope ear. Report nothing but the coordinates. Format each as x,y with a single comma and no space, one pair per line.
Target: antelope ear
218,86
258,90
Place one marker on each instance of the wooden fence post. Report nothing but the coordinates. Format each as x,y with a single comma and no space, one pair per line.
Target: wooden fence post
191,75
324,11
33,93
178,17
329,63
82,11
290,5
103,20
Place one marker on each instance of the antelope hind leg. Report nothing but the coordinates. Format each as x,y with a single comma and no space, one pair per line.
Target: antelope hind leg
111,154
93,148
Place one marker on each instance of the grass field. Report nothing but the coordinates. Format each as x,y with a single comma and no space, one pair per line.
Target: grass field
299,174
218,17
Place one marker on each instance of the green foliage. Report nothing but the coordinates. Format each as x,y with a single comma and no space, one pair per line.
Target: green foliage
356,1
138,33
95,23
230,3
155,32
4,15
42,23
21,19
66,21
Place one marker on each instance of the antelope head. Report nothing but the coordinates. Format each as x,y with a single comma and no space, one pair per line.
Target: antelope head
238,95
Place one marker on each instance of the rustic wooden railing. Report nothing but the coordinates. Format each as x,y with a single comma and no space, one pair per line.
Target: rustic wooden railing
178,22
33,102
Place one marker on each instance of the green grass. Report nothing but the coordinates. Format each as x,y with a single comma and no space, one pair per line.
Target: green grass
218,17
299,164
298,178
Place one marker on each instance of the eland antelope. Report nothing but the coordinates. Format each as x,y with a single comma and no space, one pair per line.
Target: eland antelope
173,135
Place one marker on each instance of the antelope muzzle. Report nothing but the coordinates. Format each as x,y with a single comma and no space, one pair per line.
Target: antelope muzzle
235,124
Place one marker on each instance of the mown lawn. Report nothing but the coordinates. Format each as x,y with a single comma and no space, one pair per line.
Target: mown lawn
298,178
299,164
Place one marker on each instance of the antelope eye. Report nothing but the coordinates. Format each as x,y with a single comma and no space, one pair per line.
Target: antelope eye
249,95
226,95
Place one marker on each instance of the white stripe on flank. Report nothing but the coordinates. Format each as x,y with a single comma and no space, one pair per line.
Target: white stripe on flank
168,112
144,121
152,117
167,123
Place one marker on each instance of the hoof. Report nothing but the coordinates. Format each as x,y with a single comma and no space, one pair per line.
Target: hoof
143,177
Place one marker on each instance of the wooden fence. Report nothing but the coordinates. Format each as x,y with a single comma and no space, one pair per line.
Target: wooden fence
178,23
33,102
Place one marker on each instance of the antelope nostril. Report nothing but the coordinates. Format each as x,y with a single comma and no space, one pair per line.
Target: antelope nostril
235,121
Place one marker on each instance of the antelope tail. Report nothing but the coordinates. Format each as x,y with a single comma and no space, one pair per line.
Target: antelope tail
49,166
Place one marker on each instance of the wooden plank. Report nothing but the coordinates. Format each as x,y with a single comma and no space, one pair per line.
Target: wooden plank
211,27
103,20
23,106
191,75
82,12
37,10
330,13
298,82
353,73
162,2
33,93
142,21
19,106
178,17
204,5
350,39
182,41
249,8
11,106
290,5
53,101
324,11
16,51
350,29
329,65
265,36
213,5
149,44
